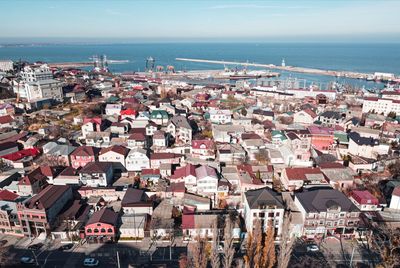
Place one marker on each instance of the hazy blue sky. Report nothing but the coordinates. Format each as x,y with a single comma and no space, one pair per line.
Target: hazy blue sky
202,19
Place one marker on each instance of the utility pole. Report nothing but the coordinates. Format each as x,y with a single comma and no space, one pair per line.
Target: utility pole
118,264
352,256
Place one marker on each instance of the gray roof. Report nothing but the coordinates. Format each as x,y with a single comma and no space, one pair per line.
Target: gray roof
264,197
322,199
180,121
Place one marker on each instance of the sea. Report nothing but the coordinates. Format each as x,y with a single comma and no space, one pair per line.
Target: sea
365,57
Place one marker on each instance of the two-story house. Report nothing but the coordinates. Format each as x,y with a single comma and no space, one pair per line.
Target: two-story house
115,154
97,174
179,127
83,155
137,160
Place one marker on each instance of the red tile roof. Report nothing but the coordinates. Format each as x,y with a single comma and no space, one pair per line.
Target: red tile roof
85,151
104,215
185,171
300,173
6,195
207,144
116,148
22,154
6,119
364,198
47,197
149,171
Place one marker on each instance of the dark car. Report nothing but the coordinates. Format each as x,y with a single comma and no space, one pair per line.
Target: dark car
3,242
66,247
35,246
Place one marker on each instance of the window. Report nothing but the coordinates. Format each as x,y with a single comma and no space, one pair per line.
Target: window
89,230
96,230
110,230
102,230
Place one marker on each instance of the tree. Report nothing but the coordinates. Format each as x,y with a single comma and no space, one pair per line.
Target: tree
268,258
199,253
385,240
287,243
243,111
215,259
394,169
229,249
183,261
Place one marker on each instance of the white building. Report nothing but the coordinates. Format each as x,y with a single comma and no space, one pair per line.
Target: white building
207,180
36,73
137,160
379,106
113,109
6,65
265,205
220,116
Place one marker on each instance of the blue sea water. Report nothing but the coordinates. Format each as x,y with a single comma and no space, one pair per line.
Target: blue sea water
366,58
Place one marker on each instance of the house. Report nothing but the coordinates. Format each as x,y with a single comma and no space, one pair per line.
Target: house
322,138
160,139
113,109
185,174
227,133
83,155
220,116
8,148
395,198
133,226
101,226
265,205
98,139
137,160
97,174
295,178
9,223
198,225
160,117
116,155
38,214
156,159
305,117
338,176
230,153
60,154
135,201
32,183
366,147
206,180
331,118
364,200
6,121
95,124
119,128
263,115
327,212
300,144
69,176
203,149
150,175
136,140
151,128
180,128
162,223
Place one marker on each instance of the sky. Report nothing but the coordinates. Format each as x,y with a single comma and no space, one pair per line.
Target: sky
200,20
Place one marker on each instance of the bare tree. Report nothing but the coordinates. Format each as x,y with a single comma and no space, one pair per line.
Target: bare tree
229,249
268,258
198,253
287,243
254,246
386,241
215,259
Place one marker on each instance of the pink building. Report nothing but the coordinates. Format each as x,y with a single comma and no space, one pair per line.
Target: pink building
101,226
322,138
83,155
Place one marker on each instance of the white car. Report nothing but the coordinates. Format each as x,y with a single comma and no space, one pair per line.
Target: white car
27,260
90,262
312,248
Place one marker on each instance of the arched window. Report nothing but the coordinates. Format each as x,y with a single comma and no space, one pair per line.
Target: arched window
110,230
89,230
103,230
96,230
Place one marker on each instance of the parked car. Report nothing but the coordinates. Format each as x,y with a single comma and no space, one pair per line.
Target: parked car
66,247
312,248
27,260
35,246
90,262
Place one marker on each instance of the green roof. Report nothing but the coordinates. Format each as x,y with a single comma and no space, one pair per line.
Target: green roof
342,137
158,113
